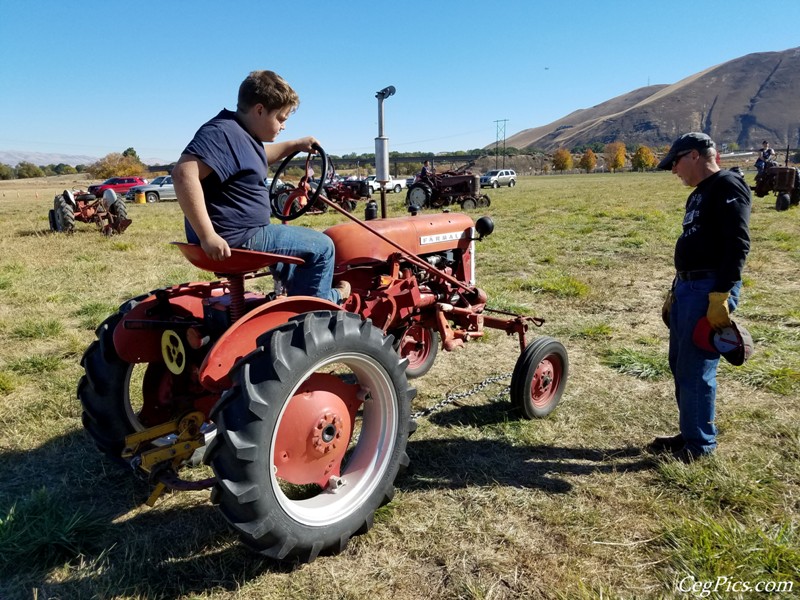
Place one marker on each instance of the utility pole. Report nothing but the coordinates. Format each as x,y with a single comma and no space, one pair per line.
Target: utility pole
501,126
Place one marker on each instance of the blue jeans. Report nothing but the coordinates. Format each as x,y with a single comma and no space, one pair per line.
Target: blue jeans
314,277
694,370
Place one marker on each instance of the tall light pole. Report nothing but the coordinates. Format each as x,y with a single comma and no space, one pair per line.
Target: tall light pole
382,148
501,126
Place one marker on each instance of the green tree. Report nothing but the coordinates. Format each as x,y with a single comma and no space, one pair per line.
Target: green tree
643,159
26,170
733,147
131,153
614,155
562,160
588,161
63,169
6,171
116,164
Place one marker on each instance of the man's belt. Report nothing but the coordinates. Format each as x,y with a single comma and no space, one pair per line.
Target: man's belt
695,275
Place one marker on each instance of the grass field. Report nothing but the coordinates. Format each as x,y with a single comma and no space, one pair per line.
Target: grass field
491,507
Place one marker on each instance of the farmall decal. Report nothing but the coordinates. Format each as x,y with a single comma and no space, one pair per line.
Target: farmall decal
443,237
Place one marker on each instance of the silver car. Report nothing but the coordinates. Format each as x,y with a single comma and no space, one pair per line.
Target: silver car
496,178
160,188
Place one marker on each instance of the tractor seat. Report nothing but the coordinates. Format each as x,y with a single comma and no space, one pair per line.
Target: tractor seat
240,262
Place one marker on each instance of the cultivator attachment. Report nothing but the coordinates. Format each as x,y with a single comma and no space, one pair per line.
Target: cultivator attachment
160,451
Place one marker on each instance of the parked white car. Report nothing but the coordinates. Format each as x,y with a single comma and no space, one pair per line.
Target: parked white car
496,178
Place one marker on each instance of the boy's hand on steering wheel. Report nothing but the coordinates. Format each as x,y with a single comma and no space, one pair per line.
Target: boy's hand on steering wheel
307,144
216,247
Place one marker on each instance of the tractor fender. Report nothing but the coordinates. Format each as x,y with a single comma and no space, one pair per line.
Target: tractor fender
143,345
240,339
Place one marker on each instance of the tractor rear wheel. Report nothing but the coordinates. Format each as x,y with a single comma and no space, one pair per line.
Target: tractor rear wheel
539,378
782,202
121,398
312,435
419,345
419,194
64,215
119,209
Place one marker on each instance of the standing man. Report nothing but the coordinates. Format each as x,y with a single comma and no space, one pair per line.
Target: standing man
709,257
220,181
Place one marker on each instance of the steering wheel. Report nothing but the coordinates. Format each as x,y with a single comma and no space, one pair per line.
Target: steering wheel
304,196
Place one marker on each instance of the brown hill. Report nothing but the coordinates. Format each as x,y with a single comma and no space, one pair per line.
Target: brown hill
744,100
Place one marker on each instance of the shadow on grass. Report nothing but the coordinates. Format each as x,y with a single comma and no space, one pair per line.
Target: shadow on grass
454,463
120,547
183,546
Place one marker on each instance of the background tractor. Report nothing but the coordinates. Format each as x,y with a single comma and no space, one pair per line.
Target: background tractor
783,181
301,406
109,212
449,187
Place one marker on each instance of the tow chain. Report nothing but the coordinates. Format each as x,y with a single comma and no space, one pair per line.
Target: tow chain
455,397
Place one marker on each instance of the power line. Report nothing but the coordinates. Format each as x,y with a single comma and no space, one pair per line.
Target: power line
501,126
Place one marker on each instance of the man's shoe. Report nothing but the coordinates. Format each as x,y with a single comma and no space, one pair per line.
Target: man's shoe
687,456
661,445
343,287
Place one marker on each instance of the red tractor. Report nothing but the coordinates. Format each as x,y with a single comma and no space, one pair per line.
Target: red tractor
783,181
449,187
303,406
109,212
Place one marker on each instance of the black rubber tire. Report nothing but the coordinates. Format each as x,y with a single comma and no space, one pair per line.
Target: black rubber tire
512,183
782,202
397,188
422,354
469,204
64,215
104,391
539,378
495,185
484,201
151,197
108,385
419,191
119,209
249,418
51,218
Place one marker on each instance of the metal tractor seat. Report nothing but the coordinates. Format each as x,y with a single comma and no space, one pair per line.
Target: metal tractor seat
234,269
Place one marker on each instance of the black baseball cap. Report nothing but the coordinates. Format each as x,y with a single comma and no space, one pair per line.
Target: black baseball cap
686,143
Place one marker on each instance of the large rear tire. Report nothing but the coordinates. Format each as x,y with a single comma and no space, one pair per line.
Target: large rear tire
539,378
312,435
419,194
64,215
121,398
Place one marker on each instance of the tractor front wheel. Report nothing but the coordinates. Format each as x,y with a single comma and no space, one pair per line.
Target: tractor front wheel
539,378
782,202
419,345
312,435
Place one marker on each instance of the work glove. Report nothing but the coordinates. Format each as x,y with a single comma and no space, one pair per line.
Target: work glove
667,307
718,314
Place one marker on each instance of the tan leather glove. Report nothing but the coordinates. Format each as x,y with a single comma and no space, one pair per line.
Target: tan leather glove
718,314
667,307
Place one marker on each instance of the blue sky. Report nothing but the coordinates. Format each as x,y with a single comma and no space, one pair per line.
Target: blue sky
99,76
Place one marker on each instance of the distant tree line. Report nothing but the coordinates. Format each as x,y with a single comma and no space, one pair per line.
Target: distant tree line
642,158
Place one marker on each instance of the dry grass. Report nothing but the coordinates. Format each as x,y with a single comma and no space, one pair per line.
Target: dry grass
492,507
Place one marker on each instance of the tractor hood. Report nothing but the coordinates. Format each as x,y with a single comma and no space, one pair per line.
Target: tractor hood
421,234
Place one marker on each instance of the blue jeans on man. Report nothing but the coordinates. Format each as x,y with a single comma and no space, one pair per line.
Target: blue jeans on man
695,370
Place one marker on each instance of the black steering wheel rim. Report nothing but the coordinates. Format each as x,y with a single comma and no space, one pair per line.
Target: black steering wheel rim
312,199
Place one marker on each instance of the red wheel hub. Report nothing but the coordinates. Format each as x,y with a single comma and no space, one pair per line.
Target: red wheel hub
415,345
315,430
545,381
